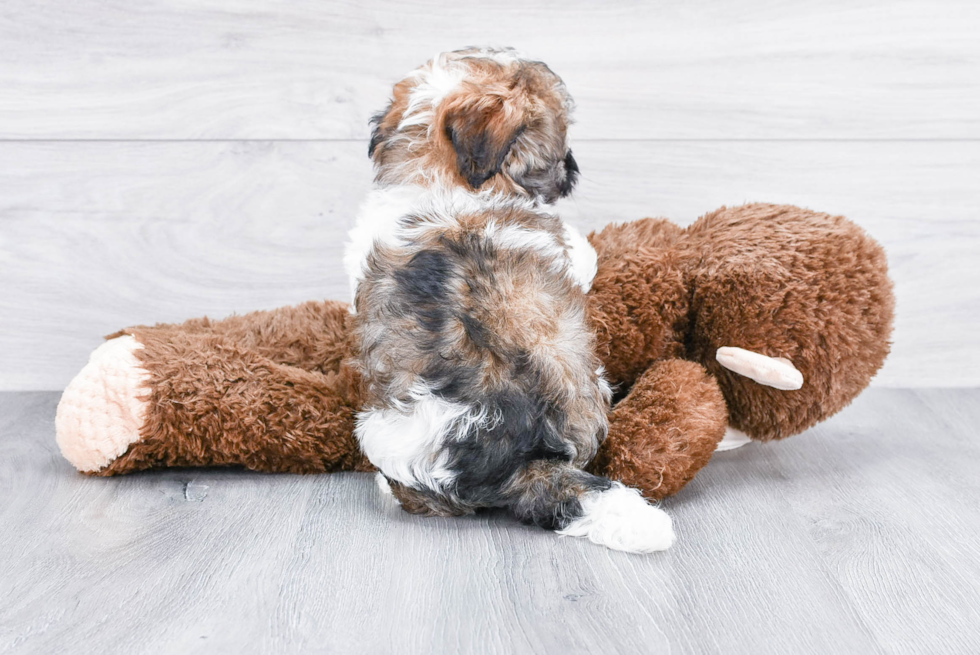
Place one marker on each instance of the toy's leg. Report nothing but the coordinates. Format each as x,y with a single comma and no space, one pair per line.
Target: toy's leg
311,336
665,430
167,396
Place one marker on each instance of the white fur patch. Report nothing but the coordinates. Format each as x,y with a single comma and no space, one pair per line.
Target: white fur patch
440,77
380,222
101,411
406,442
380,219
619,518
383,486
515,237
604,387
434,82
585,261
377,222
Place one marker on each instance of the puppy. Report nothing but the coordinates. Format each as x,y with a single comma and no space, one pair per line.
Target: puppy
481,384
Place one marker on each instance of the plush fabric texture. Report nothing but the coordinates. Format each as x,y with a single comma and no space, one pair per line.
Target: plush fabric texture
639,305
267,391
793,283
665,430
102,410
270,391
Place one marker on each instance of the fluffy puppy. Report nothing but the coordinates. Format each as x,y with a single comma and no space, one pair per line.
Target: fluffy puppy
481,384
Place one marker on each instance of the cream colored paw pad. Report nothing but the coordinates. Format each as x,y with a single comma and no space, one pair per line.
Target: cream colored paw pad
102,409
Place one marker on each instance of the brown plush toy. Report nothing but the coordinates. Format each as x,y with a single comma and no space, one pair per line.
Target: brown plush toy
759,319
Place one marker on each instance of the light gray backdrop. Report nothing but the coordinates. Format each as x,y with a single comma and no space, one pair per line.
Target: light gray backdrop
168,158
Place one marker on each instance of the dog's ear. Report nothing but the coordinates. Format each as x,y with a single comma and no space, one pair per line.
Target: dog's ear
378,133
482,129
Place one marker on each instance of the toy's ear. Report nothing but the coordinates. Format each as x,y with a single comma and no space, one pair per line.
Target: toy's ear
482,130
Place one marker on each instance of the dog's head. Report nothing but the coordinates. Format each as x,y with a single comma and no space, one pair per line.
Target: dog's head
478,118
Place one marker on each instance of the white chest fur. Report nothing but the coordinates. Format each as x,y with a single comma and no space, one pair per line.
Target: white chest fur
380,221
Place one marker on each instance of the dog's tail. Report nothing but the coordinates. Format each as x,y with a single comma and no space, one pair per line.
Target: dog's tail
557,496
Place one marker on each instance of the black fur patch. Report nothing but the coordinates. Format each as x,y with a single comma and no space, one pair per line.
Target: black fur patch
476,332
449,379
571,175
423,286
376,134
523,427
553,515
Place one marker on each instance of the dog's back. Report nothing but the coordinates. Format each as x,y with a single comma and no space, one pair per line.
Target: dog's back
482,387
473,340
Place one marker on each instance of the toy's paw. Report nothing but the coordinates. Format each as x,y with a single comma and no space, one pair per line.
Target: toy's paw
619,518
102,409
776,372
733,439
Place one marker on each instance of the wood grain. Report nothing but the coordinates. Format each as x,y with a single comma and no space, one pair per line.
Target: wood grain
97,236
896,495
856,537
312,69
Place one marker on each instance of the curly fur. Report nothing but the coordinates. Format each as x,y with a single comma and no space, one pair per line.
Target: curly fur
266,390
481,386
780,280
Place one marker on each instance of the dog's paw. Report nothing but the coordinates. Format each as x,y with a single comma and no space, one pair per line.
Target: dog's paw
620,518
383,486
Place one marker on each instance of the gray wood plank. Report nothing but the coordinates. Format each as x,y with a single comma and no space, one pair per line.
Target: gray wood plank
896,516
856,537
241,69
95,236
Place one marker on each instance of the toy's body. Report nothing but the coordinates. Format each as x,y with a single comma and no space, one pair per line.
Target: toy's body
778,280
270,391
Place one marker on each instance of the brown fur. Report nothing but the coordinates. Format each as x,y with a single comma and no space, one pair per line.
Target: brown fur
775,279
788,282
780,280
502,129
266,391
311,336
665,430
472,303
497,329
518,305
427,503
639,303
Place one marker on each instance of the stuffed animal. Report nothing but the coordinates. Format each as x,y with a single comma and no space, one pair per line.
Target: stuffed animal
759,320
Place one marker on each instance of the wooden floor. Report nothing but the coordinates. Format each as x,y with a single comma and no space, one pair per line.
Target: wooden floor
860,536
